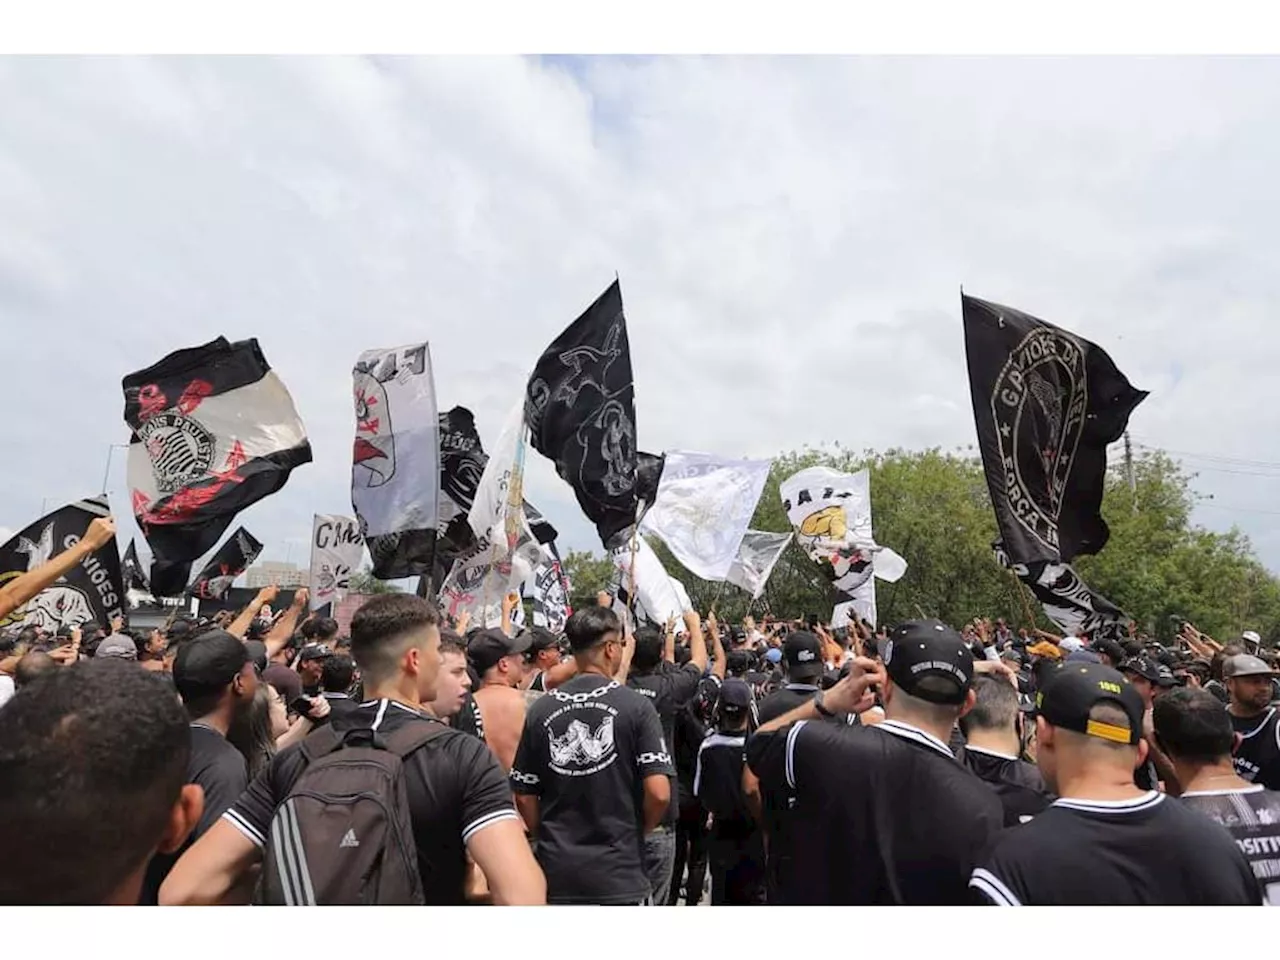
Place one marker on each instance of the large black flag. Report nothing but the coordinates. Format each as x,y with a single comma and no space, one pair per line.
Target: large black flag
580,407
1067,600
232,559
214,431
1046,403
92,591
135,578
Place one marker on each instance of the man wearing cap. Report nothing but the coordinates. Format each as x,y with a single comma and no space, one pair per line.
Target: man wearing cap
736,850
883,814
546,670
1105,841
1143,674
1248,680
498,661
120,646
311,667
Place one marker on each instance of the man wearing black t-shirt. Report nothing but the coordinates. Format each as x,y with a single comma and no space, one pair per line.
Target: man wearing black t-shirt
883,814
1144,675
993,742
592,773
458,798
1105,841
1248,681
336,678
1196,732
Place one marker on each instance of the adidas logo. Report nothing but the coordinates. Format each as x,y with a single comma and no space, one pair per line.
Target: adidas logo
349,840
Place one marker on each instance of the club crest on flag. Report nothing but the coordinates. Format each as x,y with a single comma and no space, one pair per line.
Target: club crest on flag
374,458
180,448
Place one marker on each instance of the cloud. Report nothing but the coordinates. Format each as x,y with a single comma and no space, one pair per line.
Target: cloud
791,235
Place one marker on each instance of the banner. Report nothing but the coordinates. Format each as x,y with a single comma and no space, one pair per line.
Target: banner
1067,600
232,559
336,551
90,592
551,594
758,554
580,407
703,508
1046,404
656,598
861,604
395,471
213,431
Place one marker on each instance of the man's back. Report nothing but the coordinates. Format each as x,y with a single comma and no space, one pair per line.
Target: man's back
1252,817
1018,784
502,709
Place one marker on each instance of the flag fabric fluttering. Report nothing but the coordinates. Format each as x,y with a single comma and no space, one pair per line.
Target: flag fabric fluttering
648,478
395,467
703,508
1046,404
758,554
213,431
1067,600
551,595
656,600
336,551
232,559
92,591
580,408
131,570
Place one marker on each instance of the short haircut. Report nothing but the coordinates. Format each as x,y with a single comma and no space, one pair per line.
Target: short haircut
321,629
337,673
380,630
34,664
93,758
450,642
205,668
588,626
1193,725
995,707
648,651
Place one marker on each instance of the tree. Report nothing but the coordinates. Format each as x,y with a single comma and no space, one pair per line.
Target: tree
588,575
366,582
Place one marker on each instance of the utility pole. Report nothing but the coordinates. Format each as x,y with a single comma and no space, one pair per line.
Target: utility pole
1128,469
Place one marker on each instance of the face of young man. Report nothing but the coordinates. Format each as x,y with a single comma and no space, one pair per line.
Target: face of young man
310,671
428,646
1251,693
452,684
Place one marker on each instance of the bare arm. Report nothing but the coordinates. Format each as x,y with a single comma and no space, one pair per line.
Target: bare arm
628,648
669,642
501,851
559,674
281,633
211,871
722,661
527,805
657,797
850,695
697,642
240,625
25,586
508,607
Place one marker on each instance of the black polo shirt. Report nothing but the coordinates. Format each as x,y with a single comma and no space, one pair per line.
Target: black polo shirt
1257,759
883,814
668,688
1018,784
717,783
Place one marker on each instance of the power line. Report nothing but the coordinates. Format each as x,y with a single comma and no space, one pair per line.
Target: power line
1233,461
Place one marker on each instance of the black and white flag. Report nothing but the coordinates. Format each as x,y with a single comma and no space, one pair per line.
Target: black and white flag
213,431
580,408
395,472
93,591
1067,600
336,551
135,578
232,559
1046,404
551,589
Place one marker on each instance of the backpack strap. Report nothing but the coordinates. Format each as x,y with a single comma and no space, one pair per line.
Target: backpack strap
320,742
412,736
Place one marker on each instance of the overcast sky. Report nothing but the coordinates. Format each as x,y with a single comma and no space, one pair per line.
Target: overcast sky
791,235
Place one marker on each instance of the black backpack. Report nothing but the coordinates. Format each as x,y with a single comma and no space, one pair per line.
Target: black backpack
343,835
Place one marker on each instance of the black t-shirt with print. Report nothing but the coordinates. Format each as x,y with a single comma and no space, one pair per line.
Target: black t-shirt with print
718,783
1252,817
668,688
585,751
1018,784
883,814
1149,851
455,785
1257,759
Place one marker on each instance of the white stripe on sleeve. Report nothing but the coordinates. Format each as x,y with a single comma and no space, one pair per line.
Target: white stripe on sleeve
993,888
243,825
791,752
488,820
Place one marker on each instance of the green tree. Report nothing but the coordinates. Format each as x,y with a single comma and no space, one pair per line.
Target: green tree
365,582
588,575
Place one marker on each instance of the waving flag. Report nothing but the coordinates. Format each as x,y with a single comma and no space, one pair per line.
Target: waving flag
232,559
758,554
336,551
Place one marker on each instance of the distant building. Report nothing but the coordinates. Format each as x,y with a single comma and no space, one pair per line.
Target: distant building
273,572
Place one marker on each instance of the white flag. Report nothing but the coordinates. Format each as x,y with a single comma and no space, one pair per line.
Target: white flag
550,596
757,556
656,600
336,551
703,507
489,508
862,605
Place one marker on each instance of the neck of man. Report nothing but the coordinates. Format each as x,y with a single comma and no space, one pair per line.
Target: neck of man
496,680
1219,777
995,741
1245,711
1092,781
219,719
894,710
594,666
400,690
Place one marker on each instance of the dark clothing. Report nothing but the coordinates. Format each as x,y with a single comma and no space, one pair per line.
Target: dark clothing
1252,817
737,868
883,814
340,705
668,688
1151,850
586,749
736,849
468,718
691,852
456,789
1257,759
1018,784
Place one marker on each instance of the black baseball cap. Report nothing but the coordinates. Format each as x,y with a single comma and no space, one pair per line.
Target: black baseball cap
489,646
735,694
208,663
257,653
920,649
802,652
540,638
1144,667
315,651
1071,690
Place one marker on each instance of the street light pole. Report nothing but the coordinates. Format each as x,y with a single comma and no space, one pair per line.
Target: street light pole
106,473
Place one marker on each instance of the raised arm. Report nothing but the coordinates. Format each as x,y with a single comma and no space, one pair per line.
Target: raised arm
240,625
281,633
25,586
697,642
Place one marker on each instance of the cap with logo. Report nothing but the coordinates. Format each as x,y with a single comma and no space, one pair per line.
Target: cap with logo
315,651
489,646
1072,690
929,650
1147,669
802,652
118,645
1241,665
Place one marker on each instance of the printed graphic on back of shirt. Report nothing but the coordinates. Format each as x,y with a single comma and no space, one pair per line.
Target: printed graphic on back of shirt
580,735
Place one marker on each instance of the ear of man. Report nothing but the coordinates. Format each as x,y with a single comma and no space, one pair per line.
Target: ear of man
183,817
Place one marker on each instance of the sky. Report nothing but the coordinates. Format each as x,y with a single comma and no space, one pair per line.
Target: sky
791,235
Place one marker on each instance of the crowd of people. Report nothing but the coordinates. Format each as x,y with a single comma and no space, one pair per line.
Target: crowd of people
414,759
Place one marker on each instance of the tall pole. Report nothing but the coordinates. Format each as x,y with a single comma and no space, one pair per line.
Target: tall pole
1128,469
106,471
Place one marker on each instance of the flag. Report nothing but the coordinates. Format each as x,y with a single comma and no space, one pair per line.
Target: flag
551,593
703,507
135,578
395,468
1067,600
831,513
656,599
91,592
1046,404
336,551
232,559
213,431
648,478
580,407
862,604
758,554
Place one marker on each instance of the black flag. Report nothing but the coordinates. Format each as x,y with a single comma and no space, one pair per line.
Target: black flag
1067,600
648,477
214,431
135,578
91,592
1046,403
232,559
580,408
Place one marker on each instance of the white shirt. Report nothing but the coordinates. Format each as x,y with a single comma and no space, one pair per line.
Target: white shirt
6,689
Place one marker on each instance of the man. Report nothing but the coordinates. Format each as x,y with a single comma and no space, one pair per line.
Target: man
311,667
802,658
1248,680
591,775
93,759
668,688
736,849
336,677
693,723
454,682
118,645
32,666
1195,730
993,745
1110,652
217,683
883,814
459,802
320,630
544,669
1143,674
498,661
1106,841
